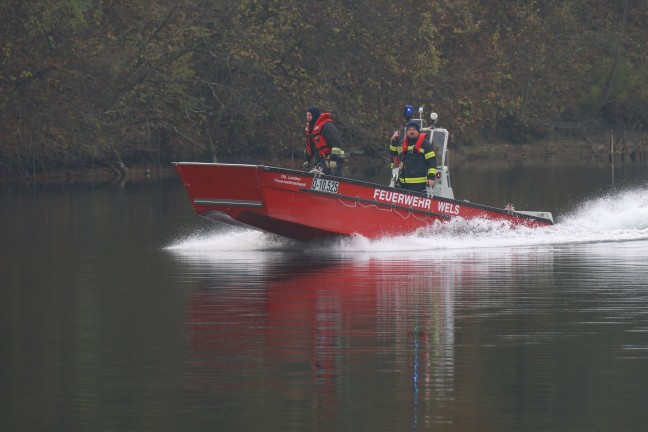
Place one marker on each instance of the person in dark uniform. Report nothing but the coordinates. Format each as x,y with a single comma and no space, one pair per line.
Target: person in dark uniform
415,159
323,142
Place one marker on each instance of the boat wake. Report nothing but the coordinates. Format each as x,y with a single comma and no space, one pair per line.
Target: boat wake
612,218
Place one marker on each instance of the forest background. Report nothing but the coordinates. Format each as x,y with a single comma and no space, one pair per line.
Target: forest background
90,83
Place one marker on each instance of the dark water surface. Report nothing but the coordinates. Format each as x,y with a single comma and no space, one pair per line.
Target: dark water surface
120,310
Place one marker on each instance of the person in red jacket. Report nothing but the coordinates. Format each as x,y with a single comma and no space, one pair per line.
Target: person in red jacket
323,142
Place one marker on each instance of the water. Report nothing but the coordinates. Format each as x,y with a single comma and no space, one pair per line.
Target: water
122,310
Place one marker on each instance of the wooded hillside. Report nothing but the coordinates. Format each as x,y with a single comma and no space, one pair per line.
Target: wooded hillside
87,82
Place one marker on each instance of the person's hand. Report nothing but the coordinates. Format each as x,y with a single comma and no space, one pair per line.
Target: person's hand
305,164
430,188
395,135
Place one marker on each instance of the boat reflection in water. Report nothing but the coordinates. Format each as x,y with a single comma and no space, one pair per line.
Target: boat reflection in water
319,331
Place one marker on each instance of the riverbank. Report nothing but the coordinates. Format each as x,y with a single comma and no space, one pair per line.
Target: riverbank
565,152
556,151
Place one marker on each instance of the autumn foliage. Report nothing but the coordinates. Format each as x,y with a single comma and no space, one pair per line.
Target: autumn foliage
83,82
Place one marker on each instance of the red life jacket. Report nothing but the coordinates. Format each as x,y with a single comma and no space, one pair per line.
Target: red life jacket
417,147
315,136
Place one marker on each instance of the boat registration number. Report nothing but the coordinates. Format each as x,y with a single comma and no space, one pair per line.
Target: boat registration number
325,185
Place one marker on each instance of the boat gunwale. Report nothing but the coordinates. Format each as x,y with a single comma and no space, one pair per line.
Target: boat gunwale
512,213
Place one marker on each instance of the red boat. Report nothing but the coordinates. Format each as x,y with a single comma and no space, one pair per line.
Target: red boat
310,205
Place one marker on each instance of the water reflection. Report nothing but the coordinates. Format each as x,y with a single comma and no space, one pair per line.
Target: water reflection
312,327
107,324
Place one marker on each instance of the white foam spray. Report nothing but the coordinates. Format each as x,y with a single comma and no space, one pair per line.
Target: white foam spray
612,218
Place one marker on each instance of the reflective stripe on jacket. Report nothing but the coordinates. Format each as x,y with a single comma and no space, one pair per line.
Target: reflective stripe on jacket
419,161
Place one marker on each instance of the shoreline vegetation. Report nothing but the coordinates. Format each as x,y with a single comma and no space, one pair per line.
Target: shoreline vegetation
563,152
118,90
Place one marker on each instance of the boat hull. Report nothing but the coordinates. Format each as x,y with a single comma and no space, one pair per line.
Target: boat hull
309,206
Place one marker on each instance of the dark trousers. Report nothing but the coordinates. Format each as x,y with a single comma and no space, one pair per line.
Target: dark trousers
417,187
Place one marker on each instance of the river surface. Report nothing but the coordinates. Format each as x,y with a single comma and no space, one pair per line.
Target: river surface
121,310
